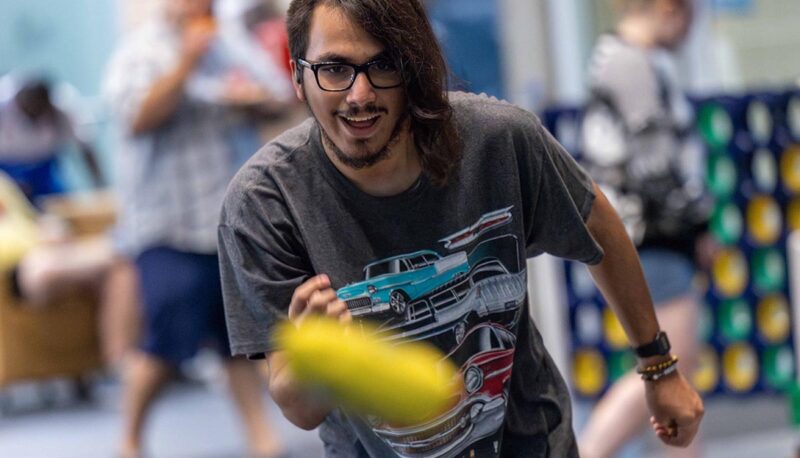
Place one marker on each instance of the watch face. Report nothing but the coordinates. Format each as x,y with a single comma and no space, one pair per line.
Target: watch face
659,346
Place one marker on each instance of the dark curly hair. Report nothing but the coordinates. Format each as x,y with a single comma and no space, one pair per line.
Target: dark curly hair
403,28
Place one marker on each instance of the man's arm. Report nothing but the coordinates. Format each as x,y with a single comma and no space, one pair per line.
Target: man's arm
674,404
90,158
164,95
314,297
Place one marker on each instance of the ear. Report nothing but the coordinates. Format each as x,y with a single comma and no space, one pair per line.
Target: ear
297,80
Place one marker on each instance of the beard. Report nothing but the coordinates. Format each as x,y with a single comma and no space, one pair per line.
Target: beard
363,157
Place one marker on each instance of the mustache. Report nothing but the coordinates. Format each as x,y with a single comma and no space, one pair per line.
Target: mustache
355,111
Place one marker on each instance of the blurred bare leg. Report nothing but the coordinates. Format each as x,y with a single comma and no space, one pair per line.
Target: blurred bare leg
144,377
247,389
622,413
120,320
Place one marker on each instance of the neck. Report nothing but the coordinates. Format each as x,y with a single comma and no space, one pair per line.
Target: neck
390,176
638,31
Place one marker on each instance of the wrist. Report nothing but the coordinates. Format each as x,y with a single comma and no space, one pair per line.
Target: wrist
659,346
657,371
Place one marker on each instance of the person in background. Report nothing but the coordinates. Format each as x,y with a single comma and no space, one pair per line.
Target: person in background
34,132
636,134
240,45
415,208
37,253
42,260
179,99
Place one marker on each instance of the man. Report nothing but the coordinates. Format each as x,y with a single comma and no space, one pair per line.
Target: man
33,133
441,197
635,95
169,85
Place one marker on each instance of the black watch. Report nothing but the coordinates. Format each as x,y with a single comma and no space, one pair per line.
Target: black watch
658,347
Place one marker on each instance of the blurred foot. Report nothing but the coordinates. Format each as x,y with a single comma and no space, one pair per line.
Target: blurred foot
268,448
129,449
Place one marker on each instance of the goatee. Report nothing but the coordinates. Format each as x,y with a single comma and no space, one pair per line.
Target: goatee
371,158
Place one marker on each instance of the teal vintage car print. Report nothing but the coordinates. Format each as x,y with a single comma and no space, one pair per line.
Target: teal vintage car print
391,284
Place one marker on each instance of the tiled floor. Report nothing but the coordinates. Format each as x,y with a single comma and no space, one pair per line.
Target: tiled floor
190,420
196,420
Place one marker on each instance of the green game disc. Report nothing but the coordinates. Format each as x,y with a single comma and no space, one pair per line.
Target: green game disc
619,363
735,320
726,223
715,126
778,366
721,176
769,270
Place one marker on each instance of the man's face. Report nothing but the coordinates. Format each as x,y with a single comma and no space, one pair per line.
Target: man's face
362,124
675,20
181,11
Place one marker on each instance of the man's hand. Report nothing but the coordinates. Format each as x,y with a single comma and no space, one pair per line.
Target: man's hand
315,296
197,37
676,408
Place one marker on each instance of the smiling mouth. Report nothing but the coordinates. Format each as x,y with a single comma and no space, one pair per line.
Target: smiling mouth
361,122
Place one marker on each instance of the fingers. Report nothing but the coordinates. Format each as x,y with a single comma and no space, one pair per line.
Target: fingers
315,296
671,433
303,293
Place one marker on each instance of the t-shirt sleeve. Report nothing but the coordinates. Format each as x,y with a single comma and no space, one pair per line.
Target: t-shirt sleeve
560,195
262,261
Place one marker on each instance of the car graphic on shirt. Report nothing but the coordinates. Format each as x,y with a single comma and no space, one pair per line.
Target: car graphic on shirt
486,222
391,284
423,295
485,358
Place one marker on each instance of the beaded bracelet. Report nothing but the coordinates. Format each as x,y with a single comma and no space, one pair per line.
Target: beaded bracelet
657,371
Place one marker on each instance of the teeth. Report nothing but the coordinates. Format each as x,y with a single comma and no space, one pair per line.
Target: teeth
370,118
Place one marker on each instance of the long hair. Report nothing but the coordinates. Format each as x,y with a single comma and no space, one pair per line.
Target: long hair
403,28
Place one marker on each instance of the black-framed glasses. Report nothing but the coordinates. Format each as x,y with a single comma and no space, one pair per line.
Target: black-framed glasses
340,76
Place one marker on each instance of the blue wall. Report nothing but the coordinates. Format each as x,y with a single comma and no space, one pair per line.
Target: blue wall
69,40
468,32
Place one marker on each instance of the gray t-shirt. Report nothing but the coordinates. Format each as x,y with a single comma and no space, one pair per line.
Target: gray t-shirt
441,264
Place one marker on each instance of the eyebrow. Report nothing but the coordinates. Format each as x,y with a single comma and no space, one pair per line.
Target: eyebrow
333,57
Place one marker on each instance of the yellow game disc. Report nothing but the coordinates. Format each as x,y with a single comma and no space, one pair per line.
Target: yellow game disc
790,168
613,331
764,220
793,214
773,319
729,273
740,367
706,374
403,384
589,372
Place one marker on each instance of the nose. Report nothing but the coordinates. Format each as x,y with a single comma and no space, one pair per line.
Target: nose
362,91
